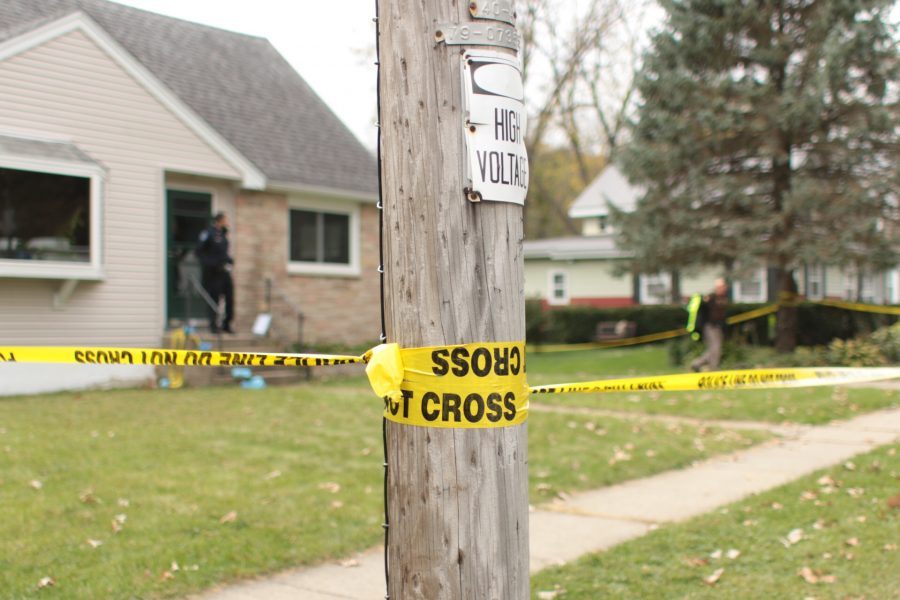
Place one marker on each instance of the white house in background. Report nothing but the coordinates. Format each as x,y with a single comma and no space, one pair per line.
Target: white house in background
121,132
582,270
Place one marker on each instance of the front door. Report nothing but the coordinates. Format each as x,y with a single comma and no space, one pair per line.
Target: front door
188,214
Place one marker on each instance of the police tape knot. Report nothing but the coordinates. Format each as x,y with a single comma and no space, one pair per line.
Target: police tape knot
385,370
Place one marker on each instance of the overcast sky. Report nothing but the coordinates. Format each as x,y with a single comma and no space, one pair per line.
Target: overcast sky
331,44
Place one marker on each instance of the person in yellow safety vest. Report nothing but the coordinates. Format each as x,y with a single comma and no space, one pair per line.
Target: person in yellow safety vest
707,320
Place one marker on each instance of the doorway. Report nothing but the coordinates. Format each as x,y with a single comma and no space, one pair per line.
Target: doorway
188,214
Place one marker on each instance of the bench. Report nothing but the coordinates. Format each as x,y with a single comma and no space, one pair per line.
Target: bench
614,330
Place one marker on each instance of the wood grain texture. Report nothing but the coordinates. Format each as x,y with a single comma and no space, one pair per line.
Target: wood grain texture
457,499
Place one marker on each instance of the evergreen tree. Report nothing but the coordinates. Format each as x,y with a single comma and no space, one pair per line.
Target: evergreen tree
767,135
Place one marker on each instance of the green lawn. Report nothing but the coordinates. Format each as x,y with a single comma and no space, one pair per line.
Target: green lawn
803,405
228,483
847,546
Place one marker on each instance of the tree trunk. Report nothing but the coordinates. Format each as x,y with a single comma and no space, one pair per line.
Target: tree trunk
786,325
457,499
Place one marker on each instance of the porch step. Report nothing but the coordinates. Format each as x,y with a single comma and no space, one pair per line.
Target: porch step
239,342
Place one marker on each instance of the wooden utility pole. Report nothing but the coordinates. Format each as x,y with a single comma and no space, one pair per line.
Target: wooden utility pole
457,499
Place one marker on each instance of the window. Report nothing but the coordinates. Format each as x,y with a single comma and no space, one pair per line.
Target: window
815,282
49,211
752,287
559,288
323,238
656,289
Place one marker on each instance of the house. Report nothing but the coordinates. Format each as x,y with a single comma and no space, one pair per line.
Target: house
589,269
121,132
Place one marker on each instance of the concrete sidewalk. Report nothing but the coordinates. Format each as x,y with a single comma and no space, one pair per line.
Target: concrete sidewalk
599,519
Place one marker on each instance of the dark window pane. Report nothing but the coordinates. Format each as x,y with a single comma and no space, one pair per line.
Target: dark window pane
337,239
44,216
303,235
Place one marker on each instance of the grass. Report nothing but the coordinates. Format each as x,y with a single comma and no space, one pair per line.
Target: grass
229,484
802,405
849,545
572,452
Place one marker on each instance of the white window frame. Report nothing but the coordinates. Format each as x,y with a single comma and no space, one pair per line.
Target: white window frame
56,269
335,207
815,274
552,300
741,296
646,280
893,287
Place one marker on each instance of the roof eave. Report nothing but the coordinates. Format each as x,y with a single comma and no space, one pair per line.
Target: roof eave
357,195
251,176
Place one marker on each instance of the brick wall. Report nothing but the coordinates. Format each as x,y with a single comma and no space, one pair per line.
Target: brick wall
336,309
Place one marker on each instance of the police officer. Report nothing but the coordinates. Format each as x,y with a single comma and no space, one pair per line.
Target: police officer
212,252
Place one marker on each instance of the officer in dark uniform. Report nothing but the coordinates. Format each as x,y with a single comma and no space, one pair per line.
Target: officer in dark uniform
212,252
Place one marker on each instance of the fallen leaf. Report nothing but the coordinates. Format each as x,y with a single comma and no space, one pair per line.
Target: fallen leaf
808,495
861,518
889,547
231,517
46,582
94,543
117,523
793,537
650,453
894,501
819,524
811,576
330,486
852,541
733,553
826,480
777,506
850,466
88,497
750,523
123,502
808,576
35,484
166,576
696,561
350,562
337,504
712,579
274,474
174,567
849,556
716,554
856,492
192,568
548,594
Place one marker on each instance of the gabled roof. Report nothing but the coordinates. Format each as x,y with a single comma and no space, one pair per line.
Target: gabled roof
575,248
610,187
238,84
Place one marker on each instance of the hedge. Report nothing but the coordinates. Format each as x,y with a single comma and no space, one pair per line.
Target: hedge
817,324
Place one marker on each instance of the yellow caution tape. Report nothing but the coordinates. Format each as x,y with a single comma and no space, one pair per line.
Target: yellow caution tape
728,380
464,386
633,341
166,357
752,314
860,307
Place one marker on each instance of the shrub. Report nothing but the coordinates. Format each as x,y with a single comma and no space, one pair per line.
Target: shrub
888,341
855,353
